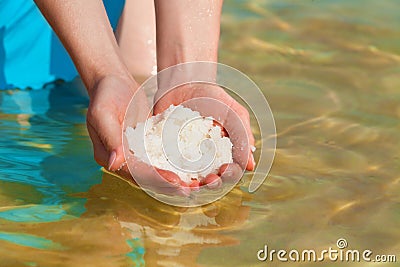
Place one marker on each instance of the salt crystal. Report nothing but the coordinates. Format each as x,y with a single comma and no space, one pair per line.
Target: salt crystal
182,141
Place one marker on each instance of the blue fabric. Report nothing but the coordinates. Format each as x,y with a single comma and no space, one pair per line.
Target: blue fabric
31,55
2,58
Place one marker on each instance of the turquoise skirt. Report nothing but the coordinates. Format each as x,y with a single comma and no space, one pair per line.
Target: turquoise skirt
31,54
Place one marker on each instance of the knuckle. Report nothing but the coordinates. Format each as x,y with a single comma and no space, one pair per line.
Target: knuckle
93,111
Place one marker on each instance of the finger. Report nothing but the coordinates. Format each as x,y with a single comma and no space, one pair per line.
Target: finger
243,141
212,181
245,117
169,176
100,153
230,172
194,185
108,128
251,164
181,188
124,173
157,180
247,151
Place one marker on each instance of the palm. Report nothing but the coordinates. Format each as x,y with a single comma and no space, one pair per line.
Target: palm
214,101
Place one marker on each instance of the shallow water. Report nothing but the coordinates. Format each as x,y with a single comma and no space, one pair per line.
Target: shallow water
331,73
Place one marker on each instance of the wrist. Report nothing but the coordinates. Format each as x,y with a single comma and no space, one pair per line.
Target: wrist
187,31
115,77
184,51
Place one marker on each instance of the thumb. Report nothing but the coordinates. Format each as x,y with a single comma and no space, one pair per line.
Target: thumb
111,135
116,159
109,130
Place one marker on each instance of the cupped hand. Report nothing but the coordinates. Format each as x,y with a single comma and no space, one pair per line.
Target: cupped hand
211,100
109,101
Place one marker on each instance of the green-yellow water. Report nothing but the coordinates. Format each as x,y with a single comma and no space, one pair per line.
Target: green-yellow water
331,73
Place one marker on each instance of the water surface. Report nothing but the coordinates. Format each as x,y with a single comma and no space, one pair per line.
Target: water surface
331,73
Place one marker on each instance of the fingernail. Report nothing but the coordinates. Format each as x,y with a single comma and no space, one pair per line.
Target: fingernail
209,179
169,177
212,181
254,162
251,164
112,159
222,169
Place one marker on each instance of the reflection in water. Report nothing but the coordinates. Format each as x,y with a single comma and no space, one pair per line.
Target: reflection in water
37,126
330,71
168,235
123,225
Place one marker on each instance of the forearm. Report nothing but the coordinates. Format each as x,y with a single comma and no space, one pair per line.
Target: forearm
187,31
84,29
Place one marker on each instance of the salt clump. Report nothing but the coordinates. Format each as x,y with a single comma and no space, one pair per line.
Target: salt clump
182,141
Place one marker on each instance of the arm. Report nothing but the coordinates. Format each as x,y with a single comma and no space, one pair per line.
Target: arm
86,33
187,31
84,30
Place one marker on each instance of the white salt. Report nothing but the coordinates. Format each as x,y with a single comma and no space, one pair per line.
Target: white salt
182,141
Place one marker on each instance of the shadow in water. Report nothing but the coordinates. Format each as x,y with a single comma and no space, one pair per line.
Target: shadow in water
46,153
162,234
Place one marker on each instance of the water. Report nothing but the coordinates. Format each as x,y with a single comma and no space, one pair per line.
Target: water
331,73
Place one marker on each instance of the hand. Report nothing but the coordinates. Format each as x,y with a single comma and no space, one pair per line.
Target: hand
108,103
213,101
